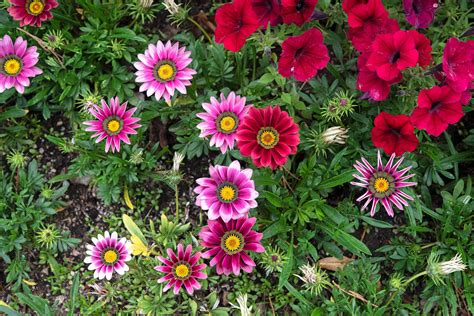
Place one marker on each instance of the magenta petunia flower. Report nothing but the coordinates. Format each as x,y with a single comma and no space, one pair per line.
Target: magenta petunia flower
221,120
229,193
420,13
163,69
108,254
182,269
113,122
383,184
229,244
31,12
17,64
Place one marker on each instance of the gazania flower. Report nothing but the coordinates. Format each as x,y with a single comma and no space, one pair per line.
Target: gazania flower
363,37
268,11
17,64
297,11
394,134
373,12
437,108
458,64
229,193
163,69
229,244
269,136
113,122
383,184
423,46
392,53
303,55
369,82
420,13
235,21
221,120
108,254
31,12
181,269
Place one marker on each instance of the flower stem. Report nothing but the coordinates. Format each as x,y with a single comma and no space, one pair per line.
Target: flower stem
203,31
176,197
392,296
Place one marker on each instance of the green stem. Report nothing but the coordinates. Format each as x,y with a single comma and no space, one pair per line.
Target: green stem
176,197
405,284
203,31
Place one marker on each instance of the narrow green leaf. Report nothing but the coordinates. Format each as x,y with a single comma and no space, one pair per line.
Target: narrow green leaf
346,240
336,180
376,222
288,267
73,294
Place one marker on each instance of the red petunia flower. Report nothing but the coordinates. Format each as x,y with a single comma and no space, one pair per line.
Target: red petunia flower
392,53
420,13
363,37
347,5
269,136
297,11
235,21
437,108
458,64
303,55
31,12
394,134
268,11
372,12
423,46
368,81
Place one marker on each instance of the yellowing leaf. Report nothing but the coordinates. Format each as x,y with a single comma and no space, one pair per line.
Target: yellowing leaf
332,263
126,197
30,283
138,247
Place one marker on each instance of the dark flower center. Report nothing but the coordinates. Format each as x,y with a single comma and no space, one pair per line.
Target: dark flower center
299,52
435,106
395,131
395,57
416,5
300,5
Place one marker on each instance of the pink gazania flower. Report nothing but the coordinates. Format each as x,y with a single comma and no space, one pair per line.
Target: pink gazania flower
229,193
392,53
458,64
181,269
420,13
303,55
383,184
17,64
31,12
437,108
108,254
163,69
221,120
268,136
113,122
229,244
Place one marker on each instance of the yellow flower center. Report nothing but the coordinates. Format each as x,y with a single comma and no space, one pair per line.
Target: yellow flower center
110,256
113,126
267,138
232,243
36,7
227,193
227,123
381,185
12,67
181,271
165,72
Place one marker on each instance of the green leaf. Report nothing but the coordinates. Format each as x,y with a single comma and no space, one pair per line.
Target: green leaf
297,294
346,240
272,198
288,267
376,222
276,228
332,213
335,181
73,294
133,228
12,113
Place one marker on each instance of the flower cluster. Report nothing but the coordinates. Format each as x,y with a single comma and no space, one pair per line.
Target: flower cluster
302,56
385,49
